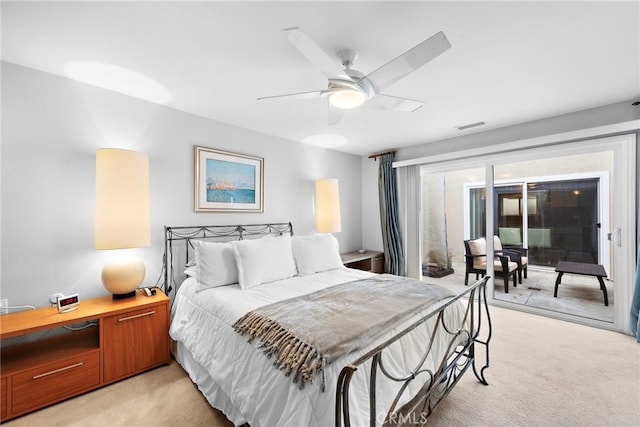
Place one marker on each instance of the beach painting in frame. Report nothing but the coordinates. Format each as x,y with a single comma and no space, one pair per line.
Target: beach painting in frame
227,182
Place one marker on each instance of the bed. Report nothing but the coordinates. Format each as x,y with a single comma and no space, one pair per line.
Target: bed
221,279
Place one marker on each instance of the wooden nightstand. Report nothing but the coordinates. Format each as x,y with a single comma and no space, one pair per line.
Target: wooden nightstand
131,336
368,261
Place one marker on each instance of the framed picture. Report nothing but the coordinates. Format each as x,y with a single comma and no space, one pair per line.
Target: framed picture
228,182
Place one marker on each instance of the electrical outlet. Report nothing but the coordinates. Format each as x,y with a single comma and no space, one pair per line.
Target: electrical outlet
4,303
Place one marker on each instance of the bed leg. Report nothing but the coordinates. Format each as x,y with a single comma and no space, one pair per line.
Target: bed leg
375,363
342,396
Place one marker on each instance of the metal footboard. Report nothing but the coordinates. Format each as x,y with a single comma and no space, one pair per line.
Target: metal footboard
433,383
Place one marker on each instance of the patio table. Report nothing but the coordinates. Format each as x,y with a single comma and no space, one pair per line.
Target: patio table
595,270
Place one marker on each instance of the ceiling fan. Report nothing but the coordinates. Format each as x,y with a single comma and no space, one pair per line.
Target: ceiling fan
348,88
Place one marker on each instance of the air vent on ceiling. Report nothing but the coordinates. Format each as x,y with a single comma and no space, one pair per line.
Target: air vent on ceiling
472,125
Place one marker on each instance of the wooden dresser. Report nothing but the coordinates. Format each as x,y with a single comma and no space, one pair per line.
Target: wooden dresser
129,337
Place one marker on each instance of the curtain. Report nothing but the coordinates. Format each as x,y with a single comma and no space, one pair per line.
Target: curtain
635,303
391,237
410,201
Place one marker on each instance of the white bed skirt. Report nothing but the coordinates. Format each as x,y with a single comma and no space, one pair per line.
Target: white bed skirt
207,386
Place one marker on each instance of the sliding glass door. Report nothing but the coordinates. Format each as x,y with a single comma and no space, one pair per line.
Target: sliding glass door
559,221
564,219
567,205
564,203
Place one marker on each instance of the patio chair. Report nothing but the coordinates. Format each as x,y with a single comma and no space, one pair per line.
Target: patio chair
476,262
517,254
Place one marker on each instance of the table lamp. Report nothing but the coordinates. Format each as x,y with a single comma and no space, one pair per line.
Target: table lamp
122,216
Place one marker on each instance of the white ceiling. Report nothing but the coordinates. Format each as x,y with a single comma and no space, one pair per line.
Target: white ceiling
510,62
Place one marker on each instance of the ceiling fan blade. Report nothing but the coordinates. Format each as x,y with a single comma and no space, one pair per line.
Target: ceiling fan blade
409,61
386,102
299,95
327,65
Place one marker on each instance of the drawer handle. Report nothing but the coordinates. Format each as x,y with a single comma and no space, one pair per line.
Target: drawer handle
55,371
148,313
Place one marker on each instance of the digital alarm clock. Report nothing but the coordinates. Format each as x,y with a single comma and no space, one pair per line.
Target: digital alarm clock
67,303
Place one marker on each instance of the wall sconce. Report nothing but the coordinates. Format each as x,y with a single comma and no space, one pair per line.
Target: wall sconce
328,206
122,216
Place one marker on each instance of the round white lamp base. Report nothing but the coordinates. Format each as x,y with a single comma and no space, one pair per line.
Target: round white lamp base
122,275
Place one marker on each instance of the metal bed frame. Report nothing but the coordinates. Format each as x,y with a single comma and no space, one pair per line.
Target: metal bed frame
434,385
210,232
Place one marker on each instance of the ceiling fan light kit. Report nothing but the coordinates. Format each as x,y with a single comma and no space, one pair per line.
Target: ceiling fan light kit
347,99
350,88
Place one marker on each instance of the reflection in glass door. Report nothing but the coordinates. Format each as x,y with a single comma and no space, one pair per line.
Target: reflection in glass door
558,222
509,214
563,221
445,223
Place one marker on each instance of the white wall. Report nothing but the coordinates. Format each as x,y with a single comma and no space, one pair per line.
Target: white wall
51,127
371,228
605,115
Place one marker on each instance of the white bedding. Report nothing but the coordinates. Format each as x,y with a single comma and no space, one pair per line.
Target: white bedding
239,379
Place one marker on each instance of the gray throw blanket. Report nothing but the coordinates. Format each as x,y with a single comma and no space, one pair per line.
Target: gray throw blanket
306,333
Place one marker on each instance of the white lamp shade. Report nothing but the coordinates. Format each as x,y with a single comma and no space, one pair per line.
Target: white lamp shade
122,215
328,206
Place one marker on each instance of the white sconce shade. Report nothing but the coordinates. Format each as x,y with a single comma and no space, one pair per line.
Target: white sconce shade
328,206
122,216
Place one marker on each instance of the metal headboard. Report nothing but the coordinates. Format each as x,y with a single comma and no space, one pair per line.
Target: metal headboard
222,233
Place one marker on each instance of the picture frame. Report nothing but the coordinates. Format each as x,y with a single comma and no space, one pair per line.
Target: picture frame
227,182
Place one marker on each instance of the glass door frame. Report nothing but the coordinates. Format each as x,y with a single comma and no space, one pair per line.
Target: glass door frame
624,147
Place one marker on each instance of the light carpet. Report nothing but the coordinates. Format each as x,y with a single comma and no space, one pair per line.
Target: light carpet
543,372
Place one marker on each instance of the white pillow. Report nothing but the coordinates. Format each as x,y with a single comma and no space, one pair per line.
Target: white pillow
215,264
316,253
263,260
190,267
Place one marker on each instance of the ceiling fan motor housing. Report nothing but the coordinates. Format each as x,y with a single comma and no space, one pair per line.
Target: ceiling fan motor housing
347,57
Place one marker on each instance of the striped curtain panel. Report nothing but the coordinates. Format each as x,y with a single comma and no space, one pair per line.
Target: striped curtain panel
391,236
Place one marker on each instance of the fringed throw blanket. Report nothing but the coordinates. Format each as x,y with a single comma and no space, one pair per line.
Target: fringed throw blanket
306,333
